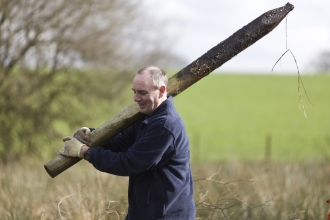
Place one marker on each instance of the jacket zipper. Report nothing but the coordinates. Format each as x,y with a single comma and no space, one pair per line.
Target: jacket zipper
148,198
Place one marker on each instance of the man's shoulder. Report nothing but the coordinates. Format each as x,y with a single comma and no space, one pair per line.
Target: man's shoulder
169,118
165,115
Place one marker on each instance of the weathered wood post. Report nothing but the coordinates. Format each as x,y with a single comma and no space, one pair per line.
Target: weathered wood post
189,75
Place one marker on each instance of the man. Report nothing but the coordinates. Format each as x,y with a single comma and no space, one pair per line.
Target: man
153,152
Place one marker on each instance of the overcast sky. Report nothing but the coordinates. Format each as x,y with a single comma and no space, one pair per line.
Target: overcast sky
202,24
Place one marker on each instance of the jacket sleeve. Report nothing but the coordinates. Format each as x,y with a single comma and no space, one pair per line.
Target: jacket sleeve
152,150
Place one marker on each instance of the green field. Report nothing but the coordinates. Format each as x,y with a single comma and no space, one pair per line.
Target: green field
233,116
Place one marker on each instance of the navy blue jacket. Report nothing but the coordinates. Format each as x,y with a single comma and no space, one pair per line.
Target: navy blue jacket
154,153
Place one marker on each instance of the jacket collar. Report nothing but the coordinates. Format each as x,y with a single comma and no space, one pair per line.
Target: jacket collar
164,105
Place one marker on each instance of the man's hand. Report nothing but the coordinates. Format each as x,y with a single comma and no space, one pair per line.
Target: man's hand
82,135
71,148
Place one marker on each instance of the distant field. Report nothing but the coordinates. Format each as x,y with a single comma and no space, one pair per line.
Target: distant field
230,117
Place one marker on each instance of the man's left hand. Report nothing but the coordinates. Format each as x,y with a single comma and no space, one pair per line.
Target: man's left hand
83,135
71,148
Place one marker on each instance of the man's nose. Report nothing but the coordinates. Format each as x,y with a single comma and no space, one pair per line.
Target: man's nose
136,97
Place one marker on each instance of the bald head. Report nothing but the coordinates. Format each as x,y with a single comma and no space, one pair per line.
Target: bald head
158,76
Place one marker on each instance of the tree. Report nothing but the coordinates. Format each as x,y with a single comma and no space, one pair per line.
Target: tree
58,56
322,63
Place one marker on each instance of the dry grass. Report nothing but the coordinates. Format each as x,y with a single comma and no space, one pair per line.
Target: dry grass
222,191
262,191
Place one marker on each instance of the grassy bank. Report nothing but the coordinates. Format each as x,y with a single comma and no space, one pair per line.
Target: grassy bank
232,190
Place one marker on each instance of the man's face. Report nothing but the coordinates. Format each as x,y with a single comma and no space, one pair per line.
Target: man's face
145,94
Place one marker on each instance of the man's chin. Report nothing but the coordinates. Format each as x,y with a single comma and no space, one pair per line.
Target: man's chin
143,111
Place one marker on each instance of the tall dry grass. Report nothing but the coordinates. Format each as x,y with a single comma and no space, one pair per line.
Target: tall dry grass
232,190
262,191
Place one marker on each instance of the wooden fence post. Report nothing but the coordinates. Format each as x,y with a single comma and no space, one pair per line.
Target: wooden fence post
189,75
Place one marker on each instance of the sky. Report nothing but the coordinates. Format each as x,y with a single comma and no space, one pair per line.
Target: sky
199,25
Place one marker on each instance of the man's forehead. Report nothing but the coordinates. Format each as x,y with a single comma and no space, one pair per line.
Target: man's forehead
142,79
142,82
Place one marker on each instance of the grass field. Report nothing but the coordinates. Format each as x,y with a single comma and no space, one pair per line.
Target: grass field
230,120
232,191
234,117
243,116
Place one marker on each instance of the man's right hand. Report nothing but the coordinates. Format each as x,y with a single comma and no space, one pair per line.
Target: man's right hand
83,135
72,147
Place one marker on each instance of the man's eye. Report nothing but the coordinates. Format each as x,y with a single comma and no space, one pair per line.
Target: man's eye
143,93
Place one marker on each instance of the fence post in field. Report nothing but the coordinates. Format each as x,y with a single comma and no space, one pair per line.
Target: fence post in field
203,66
197,147
268,148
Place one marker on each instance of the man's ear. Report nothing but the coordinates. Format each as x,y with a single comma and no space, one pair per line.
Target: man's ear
162,91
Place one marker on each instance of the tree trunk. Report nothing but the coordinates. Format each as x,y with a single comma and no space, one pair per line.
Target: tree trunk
189,75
